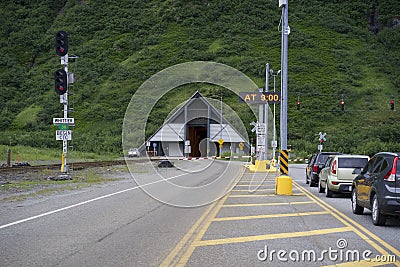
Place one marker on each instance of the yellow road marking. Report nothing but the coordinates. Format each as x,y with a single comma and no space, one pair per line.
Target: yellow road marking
362,263
257,181
201,233
352,224
178,248
349,226
243,239
168,260
244,190
268,204
254,195
265,216
263,195
255,185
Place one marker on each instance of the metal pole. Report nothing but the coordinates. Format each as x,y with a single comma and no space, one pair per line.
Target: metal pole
284,77
220,132
260,123
64,61
274,123
185,133
208,131
266,113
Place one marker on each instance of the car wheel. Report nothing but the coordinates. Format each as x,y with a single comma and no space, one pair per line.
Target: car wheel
312,183
357,209
328,192
377,217
320,188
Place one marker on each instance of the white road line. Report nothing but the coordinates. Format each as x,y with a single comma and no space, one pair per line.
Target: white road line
84,202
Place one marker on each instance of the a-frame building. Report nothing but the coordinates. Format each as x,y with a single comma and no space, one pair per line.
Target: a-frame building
203,126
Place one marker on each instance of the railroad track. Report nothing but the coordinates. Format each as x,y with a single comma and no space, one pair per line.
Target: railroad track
75,166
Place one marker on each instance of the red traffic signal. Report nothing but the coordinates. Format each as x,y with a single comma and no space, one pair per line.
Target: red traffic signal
61,43
61,81
298,105
392,104
342,104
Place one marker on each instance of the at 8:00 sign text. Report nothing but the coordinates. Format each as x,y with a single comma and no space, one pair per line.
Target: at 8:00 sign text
259,97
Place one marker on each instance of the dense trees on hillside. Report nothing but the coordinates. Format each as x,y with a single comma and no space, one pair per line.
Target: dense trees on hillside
348,48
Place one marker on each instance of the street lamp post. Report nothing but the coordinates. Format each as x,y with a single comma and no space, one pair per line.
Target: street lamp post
274,144
220,132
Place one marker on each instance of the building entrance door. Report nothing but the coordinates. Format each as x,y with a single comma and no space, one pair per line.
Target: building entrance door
196,134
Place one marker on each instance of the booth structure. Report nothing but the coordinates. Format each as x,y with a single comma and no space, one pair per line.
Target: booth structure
196,129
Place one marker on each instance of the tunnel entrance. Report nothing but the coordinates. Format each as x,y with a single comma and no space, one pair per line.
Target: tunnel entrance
195,135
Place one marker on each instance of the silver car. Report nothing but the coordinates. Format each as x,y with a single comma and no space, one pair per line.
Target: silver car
133,152
339,172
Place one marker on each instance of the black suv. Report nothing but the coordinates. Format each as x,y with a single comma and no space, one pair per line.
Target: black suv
316,164
377,187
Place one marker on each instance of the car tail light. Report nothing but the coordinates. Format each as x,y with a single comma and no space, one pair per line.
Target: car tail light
334,167
391,175
335,183
315,168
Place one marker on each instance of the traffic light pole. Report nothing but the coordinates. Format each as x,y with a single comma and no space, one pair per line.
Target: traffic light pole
266,109
64,101
284,155
284,60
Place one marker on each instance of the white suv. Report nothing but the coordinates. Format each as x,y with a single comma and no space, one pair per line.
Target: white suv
339,172
133,152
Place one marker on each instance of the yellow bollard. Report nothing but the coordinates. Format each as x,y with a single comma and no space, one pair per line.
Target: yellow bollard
259,166
284,185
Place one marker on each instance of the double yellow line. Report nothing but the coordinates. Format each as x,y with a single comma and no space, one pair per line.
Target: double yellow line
184,249
181,254
360,230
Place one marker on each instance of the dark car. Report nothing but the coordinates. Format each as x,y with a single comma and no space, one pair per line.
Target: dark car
316,164
377,187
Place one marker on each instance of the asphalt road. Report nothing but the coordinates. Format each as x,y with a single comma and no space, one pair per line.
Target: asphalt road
204,213
117,224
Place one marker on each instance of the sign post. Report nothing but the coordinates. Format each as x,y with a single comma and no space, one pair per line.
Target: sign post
262,98
62,79
321,139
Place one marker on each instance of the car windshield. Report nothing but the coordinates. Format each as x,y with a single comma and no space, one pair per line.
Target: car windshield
322,158
352,162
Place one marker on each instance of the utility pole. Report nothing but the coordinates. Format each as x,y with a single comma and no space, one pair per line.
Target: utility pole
266,108
274,142
284,167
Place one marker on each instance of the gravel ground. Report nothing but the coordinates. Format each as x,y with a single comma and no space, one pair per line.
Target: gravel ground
15,187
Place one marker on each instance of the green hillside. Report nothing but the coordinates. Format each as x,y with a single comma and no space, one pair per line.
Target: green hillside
349,48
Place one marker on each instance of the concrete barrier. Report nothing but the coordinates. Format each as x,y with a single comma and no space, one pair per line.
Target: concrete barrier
284,185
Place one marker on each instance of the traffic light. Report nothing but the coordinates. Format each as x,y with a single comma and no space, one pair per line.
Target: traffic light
392,104
342,102
61,81
61,43
298,101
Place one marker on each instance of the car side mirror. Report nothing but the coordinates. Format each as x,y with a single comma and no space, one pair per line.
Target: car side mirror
357,171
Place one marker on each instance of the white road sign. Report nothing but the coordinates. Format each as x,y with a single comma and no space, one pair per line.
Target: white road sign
65,147
69,121
63,135
260,128
322,136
